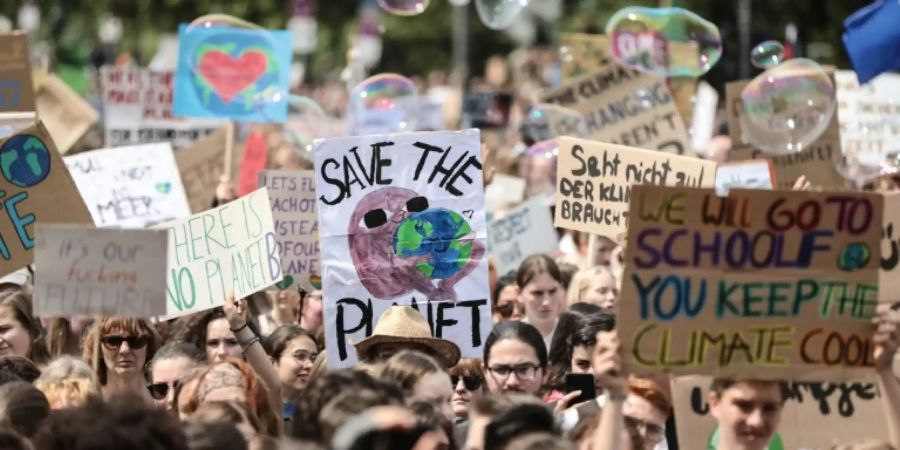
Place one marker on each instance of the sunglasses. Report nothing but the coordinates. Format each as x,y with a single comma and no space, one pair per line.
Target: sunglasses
159,391
378,217
114,342
506,310
471,383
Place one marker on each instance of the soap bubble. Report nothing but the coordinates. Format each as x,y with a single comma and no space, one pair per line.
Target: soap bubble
221,21
538,168
767,54
860,167
499,14
404,7
669,42
787,107
547,121
383,103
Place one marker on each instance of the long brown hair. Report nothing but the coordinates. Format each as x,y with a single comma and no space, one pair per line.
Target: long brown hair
141,328
257,398
21,304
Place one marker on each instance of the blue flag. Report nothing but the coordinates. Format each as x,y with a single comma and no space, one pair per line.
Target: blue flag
872,39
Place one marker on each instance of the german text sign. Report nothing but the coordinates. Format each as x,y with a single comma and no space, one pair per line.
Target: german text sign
595,181
231,248
780,284
82,270
402,222
293,197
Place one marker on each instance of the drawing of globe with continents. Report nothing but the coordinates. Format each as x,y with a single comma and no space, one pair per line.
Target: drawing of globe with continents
435,233
236,76
24,160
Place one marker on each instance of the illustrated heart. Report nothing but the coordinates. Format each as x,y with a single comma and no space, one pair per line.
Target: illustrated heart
227,75
285,283
164,187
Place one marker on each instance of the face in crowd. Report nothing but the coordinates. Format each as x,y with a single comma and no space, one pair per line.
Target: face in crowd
513,366
543,299
748,413
295,363
220,341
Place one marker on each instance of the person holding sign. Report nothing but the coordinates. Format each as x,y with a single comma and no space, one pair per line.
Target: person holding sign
118,348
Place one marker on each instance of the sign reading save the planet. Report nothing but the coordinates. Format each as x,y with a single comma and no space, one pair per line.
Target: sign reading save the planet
34,186
233,73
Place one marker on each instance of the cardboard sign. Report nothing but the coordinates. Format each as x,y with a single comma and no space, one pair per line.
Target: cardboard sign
231,248
293,197
594,182
524,231
11,123
869,115
582,53
16,93
889,280
85,270
816,415
816,162
627,107
137,105
781,284
757,174
201,165
130,187
66,115
233,73
37,188
402,222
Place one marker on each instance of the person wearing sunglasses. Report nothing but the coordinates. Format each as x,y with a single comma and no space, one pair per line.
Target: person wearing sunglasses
506,300
467,378
122,347
170,364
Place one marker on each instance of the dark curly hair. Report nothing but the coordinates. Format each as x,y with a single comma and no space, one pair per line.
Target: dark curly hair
192,328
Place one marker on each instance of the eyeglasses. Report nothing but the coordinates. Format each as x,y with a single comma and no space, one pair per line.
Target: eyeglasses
522,371
302,356
471,382
114,342
159,391
650,431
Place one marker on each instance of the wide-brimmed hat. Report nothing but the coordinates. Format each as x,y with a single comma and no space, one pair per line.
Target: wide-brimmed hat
405,325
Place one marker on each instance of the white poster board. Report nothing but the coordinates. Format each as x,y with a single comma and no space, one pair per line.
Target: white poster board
292,194
754,174
231,248
402,222
869,115
130,187
86,270
523,231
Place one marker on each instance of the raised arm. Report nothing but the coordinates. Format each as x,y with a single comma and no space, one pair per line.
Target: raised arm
887,340
607,364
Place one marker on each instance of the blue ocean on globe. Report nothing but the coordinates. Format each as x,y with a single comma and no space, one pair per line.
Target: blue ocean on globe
435,232
24,160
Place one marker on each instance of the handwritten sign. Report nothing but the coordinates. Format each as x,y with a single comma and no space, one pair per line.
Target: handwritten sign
889,280
66,115
594,182
231,248
869,115
523,231
137,105
131,187
625,106
816,415
16,93
782,284
201,165
36,187
402,222
757,174
85,270
293,198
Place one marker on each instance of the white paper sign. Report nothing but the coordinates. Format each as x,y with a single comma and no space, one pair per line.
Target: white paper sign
869,115
130,187
293,197
756,174
401,219
231,248
526,230
86,270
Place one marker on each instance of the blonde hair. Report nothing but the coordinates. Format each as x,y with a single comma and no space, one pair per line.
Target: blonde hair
581,282
67,382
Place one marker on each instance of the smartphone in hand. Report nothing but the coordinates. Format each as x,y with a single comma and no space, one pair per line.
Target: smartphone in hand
583,382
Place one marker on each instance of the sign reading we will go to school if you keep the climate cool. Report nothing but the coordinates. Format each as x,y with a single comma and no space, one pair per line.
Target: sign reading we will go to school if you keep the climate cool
780,284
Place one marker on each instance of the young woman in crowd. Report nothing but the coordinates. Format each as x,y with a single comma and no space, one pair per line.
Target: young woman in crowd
20,331
573,344
467,378
67,382
65,336
506,304
172,363
541,292
597,286
311,311
293,351
209,332
118,349
422,379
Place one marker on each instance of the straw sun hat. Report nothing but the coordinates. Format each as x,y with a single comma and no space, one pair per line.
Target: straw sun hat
405,325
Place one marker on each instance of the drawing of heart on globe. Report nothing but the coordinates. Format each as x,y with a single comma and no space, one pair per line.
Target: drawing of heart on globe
233,76
24,160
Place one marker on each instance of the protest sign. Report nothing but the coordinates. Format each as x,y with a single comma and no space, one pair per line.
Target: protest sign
66,115
201,165
782,284
137,109
889,280
231,248
625,106
293,197
869,115
523,231
130,187
16,93
10,123
36,187
85,270
582,53
241,74
401,219
816,415
594,182
254,160
757,174
504,191
816,162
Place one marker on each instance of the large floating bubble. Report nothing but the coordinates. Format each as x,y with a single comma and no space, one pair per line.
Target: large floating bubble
767,54
383,103
538,168
668,42
787,107
499,14
404,7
